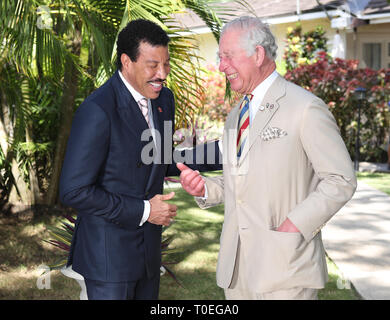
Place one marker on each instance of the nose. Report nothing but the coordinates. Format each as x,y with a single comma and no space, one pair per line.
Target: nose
163,71
222,65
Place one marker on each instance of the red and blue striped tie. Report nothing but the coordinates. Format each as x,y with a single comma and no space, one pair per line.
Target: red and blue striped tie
243,124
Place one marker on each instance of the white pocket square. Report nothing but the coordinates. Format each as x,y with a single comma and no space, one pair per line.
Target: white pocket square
272,133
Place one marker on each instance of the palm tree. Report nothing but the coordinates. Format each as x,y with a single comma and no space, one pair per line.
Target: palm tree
70,45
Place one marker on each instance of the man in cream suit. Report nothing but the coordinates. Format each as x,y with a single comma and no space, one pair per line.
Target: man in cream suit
286,172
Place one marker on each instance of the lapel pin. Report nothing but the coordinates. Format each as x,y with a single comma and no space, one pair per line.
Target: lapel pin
159,109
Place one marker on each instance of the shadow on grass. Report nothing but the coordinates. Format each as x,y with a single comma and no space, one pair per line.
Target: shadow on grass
21,241
24,287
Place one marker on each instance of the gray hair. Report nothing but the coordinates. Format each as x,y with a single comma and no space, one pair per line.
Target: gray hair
256,33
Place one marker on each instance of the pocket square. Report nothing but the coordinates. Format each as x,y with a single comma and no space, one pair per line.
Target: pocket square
272,133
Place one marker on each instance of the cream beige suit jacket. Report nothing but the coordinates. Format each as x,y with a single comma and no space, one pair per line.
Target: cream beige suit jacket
294,164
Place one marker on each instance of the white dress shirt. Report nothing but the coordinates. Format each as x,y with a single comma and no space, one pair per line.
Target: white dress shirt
137,96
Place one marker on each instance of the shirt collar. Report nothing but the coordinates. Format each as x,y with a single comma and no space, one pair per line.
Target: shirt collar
261,89
136,95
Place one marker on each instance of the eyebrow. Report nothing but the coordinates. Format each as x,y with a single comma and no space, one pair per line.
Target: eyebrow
156,61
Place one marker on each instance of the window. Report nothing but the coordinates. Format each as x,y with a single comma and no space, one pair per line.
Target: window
372,55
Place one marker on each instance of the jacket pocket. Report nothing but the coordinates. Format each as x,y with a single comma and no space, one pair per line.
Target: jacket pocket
277,256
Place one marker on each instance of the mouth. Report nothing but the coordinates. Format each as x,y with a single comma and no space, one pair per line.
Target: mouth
156,85
232,76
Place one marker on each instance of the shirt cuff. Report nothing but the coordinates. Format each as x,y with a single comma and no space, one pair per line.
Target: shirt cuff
146,214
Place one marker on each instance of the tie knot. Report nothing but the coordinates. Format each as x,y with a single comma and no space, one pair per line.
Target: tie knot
143,103
245,102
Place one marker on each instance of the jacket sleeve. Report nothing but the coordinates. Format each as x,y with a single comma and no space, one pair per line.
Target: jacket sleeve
87,150
332,164
215,193
203,157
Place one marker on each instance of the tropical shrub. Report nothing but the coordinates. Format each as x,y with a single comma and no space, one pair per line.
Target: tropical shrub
334,81
303,49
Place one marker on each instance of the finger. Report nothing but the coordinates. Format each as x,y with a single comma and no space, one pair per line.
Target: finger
181,166
186,172
196,181
199,189
172,207
189,177
167,196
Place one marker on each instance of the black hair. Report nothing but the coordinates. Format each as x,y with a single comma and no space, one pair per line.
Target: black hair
134,33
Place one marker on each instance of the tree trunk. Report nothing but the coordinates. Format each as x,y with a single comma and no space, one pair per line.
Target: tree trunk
71,78
19,191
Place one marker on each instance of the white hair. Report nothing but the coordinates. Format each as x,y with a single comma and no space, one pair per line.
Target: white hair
255,33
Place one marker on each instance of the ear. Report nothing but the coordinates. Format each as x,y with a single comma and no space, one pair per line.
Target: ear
259,55
125,60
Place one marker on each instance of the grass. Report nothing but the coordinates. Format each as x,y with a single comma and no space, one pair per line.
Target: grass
196,232
380,181
22,251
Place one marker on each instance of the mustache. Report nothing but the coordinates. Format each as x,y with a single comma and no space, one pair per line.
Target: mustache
163,81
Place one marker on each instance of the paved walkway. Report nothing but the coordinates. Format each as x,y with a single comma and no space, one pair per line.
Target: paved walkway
373,167
357,239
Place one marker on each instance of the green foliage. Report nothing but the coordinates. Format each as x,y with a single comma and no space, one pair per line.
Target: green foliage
302,49
335,81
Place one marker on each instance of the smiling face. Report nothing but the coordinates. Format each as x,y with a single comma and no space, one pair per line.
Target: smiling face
241,70
149,71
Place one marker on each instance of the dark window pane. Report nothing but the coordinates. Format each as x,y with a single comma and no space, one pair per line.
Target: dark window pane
372,55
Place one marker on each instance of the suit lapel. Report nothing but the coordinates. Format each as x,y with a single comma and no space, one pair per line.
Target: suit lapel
262,118
128,108
158,122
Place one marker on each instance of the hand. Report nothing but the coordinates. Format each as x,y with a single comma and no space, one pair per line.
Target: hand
287,226
162,213
191,181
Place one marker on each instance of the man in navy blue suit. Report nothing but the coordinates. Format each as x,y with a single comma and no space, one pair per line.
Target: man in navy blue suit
117,192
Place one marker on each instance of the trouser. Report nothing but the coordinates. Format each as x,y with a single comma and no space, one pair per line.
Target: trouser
143,289
238,289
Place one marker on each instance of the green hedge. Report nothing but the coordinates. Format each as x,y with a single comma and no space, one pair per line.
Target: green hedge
335,81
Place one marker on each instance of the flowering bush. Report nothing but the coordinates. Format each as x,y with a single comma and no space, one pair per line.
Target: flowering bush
302,49
216,105
335,81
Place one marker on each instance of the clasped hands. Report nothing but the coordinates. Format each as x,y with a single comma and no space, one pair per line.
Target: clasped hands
161,212
194,184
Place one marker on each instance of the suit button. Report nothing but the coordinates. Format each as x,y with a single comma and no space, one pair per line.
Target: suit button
146,193
139,164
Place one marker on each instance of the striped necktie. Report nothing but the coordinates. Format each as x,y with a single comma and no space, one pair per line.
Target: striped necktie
243,124
143,104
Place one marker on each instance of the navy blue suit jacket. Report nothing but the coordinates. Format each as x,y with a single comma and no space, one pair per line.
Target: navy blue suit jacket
105,180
